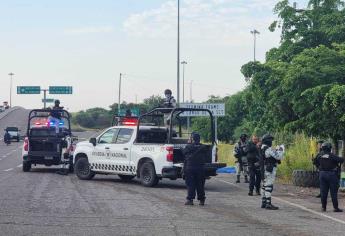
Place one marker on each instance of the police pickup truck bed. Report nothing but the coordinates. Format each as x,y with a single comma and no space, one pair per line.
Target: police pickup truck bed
145,151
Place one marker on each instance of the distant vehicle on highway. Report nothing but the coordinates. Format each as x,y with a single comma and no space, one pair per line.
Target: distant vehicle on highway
142,147
6,106
43,145
14,133
2,108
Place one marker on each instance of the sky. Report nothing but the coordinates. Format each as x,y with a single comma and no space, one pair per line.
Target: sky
87,44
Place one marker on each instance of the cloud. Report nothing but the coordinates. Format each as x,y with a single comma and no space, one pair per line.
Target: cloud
217,20
90,30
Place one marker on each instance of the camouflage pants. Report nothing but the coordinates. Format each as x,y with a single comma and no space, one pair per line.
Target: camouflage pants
242,167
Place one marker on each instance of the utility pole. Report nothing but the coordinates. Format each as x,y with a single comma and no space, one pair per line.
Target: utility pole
254,33
183,68
11,79
119,102
178,53
191,91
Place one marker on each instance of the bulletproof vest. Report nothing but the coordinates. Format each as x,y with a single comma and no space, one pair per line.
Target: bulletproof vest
196,155
268,160
56,112
252,152
327,162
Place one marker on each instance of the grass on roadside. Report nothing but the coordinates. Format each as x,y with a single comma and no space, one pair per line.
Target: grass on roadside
225,154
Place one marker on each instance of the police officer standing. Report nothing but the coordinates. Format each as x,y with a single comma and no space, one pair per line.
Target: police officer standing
194,170
169,101
240,154
55,115
329,180
253,156
269,162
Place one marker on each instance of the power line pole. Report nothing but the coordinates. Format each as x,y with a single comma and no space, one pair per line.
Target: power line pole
178,53
254,33
183,68
119,102
11,79
191,91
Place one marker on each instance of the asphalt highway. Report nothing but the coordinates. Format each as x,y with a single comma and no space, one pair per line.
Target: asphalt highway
43,203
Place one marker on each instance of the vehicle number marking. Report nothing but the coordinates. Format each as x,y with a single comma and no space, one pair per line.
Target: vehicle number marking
147,149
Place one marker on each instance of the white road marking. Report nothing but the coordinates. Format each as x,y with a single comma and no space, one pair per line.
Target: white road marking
20,165
8,169
294,205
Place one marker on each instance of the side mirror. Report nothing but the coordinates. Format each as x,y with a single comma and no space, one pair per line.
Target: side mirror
93,141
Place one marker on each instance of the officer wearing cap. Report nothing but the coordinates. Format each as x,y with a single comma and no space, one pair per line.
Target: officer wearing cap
194,171
327,164
240,153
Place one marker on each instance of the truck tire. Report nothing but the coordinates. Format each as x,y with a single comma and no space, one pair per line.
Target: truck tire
26,166
148,176
83,170
305,178
126,177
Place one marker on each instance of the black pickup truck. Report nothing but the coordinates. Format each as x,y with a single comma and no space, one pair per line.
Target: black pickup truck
43,145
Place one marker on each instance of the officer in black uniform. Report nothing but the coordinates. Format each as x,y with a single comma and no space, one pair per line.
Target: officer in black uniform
329,179
194,170
253,157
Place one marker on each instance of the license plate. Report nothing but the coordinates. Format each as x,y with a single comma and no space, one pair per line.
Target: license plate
48,158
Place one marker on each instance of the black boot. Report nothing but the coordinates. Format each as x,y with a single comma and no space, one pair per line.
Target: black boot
202,202
250,193
263,203
189,203
338,210
270,206
238,179
258,192
246,179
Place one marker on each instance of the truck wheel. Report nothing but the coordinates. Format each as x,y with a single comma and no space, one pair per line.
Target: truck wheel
26,166
83,170
148,175
126,177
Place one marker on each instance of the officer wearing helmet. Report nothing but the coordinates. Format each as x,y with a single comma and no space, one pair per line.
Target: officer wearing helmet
270,158
240,153
55,115
195,154
328,165
169,101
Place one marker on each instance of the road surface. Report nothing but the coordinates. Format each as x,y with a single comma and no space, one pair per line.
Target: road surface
43,203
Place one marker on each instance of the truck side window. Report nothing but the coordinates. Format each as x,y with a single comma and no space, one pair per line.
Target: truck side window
109,136
124,136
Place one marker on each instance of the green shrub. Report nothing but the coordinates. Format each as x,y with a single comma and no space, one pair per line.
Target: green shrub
298,156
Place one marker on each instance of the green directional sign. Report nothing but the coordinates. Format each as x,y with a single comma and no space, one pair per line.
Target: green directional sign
28,89
60,90
134,112
48,100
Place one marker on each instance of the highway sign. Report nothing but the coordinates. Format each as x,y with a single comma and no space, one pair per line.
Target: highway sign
217,109
28,89
48,100
134,111
60,90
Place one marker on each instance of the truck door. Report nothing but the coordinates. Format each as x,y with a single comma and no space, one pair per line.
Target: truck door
102,150
120,152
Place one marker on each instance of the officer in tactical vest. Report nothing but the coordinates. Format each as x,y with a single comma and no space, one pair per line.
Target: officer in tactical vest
253,156
194,170
270,158
169,101
329,166
240,154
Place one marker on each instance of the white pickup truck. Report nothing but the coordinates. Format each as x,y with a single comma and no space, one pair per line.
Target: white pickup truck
133,148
